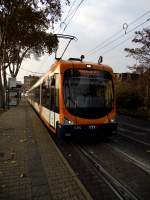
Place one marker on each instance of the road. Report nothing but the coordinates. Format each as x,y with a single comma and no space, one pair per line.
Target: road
115,168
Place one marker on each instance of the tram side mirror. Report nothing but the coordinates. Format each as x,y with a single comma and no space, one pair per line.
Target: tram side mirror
82,57
100,60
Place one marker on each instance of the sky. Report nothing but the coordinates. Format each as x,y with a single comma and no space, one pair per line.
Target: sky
104,26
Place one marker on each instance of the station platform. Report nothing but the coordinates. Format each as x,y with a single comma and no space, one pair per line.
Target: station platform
31,165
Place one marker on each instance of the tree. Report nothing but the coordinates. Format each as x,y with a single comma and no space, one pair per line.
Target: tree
24,31
142,53
142,56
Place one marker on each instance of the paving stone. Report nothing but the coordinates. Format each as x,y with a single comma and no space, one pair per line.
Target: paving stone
31,167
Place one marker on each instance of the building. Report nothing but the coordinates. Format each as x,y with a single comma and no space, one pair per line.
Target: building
14,92
126,76
29,81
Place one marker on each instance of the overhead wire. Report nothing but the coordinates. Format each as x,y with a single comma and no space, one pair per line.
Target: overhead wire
64,20
71,13
34,71
68,13
118,38
114,47
30,71
90,52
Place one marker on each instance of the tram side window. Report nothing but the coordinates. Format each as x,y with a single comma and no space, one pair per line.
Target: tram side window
46,94
33,95
109,94
36,94
54,94
30,95
57,93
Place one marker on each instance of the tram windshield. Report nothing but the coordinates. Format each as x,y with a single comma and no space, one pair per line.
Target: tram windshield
88,93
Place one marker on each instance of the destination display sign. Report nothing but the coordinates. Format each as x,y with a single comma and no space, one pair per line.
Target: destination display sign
90,73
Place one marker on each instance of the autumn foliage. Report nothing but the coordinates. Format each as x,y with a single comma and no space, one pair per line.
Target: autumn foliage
134,95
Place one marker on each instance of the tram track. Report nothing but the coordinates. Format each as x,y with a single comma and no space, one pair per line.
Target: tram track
135,127
131,159
133,149
132,123
94,171
128,176
124,133
86,171
108,171
119,189
115,169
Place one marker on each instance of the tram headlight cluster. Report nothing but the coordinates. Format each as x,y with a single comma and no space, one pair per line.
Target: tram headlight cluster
67,122
113,120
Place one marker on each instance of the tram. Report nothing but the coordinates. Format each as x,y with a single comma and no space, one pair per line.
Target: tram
76,98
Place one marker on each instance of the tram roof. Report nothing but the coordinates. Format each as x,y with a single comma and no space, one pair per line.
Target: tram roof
67,63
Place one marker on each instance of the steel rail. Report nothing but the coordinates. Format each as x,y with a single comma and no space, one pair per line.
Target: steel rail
135,126
120,190
131,159
122,130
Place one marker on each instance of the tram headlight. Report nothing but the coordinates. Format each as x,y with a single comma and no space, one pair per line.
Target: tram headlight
113,120
67,122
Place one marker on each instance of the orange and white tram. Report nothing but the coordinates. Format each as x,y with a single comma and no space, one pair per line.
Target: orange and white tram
76,98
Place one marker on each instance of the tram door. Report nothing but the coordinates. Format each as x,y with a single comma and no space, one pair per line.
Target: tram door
52,100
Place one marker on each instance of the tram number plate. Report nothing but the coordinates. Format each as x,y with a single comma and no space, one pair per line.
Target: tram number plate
92,127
